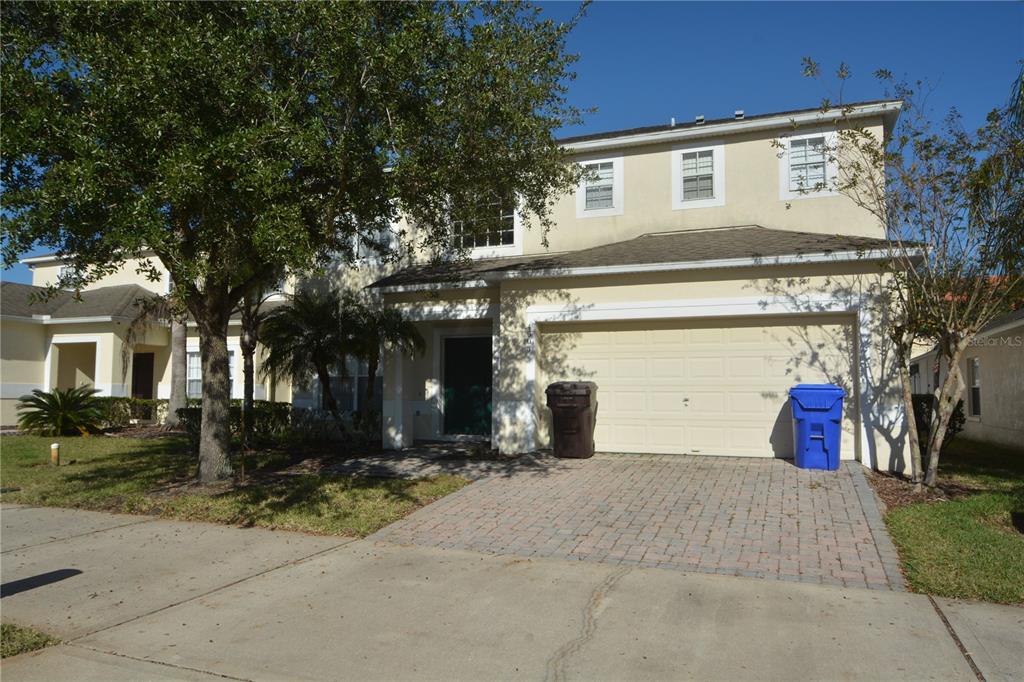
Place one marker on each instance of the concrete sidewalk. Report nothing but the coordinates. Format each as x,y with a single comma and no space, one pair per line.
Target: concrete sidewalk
168,600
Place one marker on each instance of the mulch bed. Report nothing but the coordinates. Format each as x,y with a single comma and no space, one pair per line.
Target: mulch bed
897,491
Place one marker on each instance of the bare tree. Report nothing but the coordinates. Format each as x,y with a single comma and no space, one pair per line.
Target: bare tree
949,201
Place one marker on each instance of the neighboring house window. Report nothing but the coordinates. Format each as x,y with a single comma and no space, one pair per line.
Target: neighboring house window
807,168
698,176
599,186
915,378
974,378
497,231
600,192
194,374
807,164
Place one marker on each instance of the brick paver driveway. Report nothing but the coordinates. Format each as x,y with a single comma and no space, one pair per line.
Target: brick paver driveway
737,516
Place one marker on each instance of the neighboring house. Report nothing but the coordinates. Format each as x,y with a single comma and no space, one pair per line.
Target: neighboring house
695,275
68,340
993,372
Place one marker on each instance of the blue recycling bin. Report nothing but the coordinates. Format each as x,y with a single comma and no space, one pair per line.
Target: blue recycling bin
817,425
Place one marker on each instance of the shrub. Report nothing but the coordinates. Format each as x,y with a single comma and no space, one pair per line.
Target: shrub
924,405
270,420
119,412
61,412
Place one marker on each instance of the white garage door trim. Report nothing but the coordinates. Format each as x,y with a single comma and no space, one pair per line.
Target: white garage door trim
707,308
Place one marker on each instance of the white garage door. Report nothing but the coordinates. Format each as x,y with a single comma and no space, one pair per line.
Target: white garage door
716,387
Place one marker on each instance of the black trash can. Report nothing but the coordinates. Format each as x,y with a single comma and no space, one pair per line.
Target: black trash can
573,417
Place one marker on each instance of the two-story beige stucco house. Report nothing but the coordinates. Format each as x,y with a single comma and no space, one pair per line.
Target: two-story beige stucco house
694,275
691,275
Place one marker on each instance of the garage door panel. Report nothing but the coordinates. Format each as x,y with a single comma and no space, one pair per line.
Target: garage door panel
630,368
694,387
746,367
625,401
668,368
706,367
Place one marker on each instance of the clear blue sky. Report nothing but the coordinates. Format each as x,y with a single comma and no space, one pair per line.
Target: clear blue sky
644,62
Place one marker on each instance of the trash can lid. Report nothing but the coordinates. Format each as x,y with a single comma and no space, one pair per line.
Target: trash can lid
571,388
817,396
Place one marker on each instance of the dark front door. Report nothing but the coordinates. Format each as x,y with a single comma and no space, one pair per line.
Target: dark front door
467,386
142,375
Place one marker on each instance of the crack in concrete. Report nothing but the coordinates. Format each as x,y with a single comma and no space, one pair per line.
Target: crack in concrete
556,665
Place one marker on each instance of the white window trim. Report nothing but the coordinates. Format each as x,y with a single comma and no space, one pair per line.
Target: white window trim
831,167
618,194
718,175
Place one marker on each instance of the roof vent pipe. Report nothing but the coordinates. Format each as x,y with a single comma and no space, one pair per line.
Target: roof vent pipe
700,120
738,114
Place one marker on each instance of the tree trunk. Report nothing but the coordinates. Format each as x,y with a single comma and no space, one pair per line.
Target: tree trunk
179,372
946,401
248,348
327,400
908,406
215,434
371,379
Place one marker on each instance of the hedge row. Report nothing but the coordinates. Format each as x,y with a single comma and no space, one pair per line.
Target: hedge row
119,412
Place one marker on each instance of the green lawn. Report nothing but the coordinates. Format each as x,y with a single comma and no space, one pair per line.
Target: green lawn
15,639
151,476
970,547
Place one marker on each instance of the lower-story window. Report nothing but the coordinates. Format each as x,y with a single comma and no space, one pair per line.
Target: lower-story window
350,390
195,374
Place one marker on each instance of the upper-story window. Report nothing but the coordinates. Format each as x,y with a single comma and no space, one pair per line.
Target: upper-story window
375,246
807,167
600,185
66,275
807,164
600,191
698,176
500,230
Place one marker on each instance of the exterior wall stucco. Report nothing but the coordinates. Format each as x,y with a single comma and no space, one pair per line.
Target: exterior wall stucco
22,354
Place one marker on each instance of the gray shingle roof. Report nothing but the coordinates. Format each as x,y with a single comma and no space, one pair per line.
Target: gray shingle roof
25,300
687,246
709,122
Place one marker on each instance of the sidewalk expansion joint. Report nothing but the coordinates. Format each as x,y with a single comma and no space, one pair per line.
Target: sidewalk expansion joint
956,639
156,662
81,535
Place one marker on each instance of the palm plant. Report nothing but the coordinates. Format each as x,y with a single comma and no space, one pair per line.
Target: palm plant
381,330
60,412
308,336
